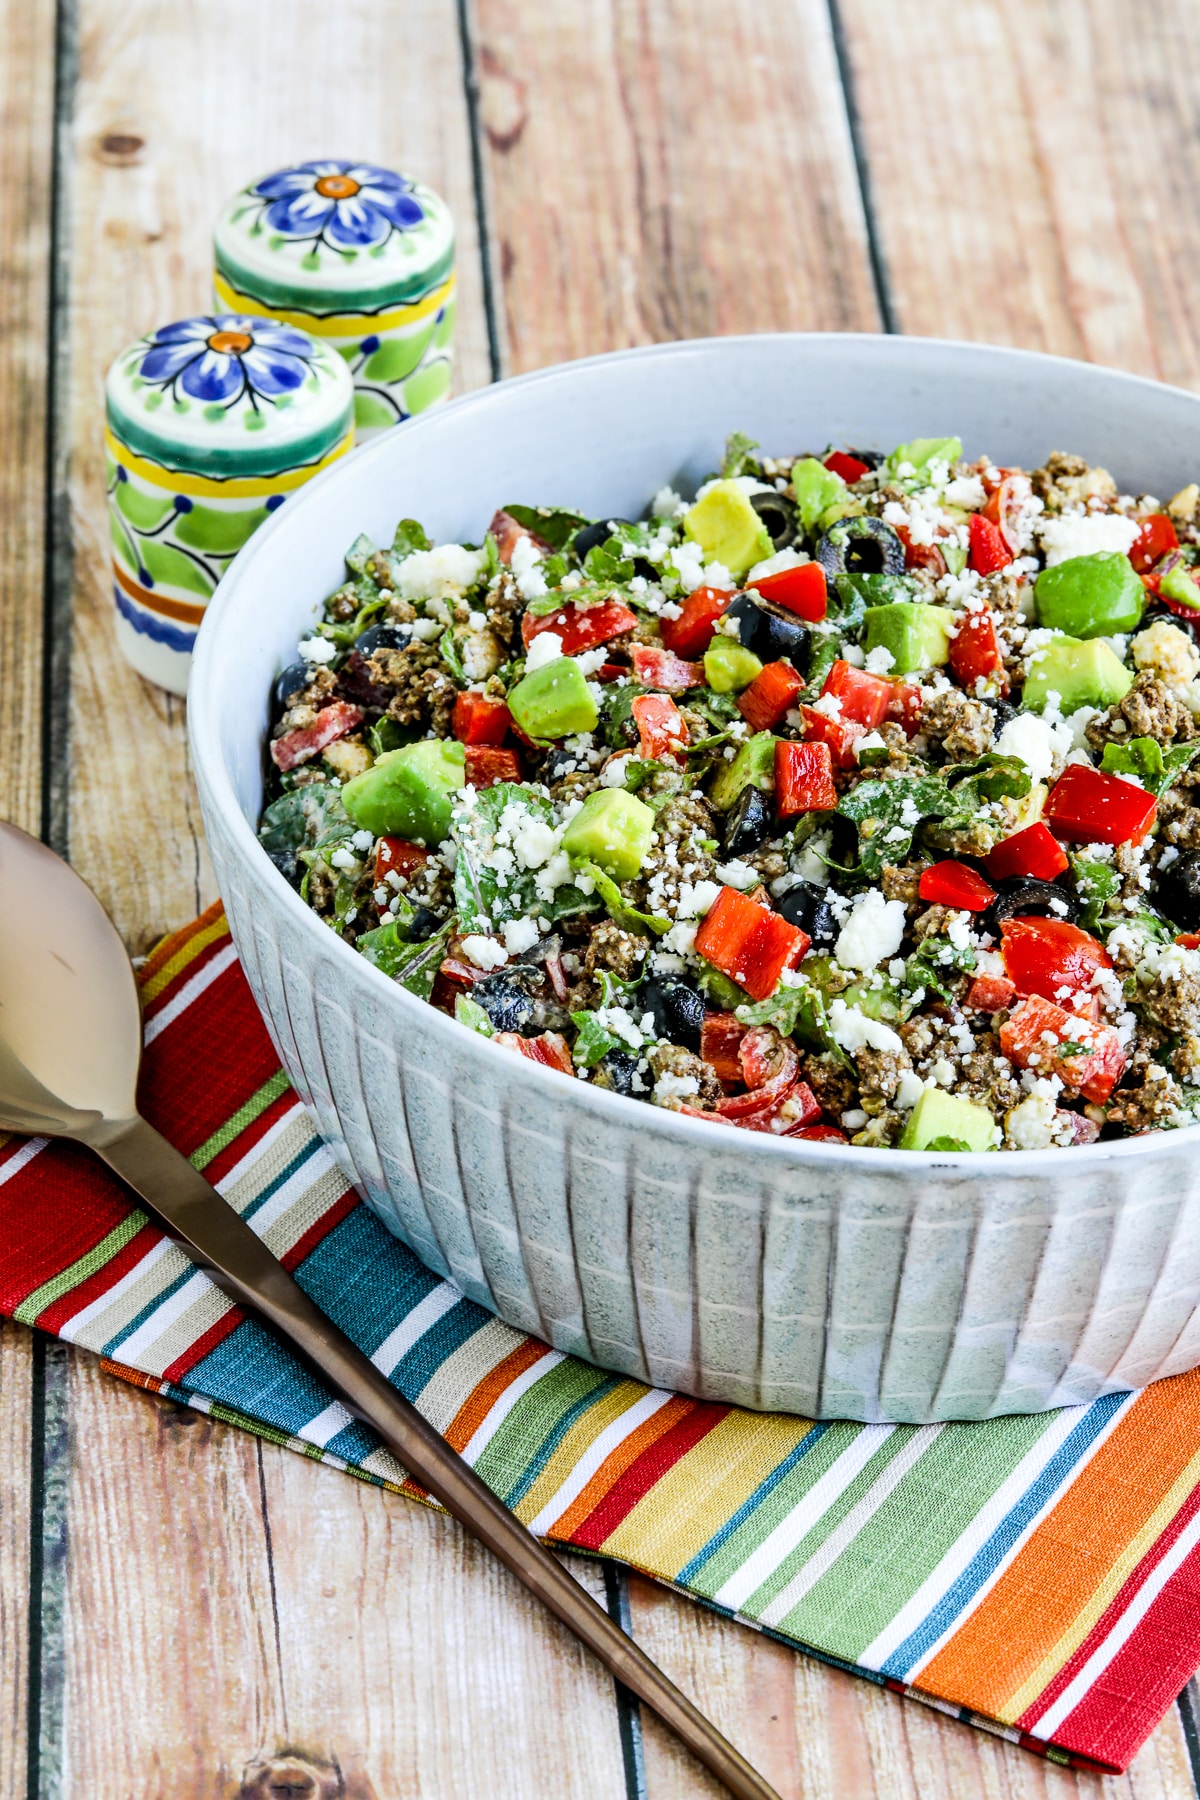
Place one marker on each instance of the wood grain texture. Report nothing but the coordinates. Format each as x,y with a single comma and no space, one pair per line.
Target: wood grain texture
16,1356
1035,172
819,1734
176,108
661,169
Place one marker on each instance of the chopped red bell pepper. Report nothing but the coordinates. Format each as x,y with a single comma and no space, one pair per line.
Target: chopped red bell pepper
988,549
1005,505
1034,851
1089,807
300,746
848,467
904,707
657,668
662,729
864,698
478,720
749,943
691,633
581,627
721,1035
1189,939
952,883
550,1049
1053,958
486,765
769,696
841,735
922,556
803,779
1086,1056
818,1134
975,651
394,855
801,590
508,534
769,1067
990,993
1156,539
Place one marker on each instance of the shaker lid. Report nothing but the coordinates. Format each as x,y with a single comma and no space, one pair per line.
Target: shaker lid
333,235
230,394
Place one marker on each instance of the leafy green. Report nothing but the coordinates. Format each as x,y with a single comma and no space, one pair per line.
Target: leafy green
857,589
946,1143
485,895
1145,758
555,525
451,655
413,966
360,553
616,715
738,458
303,817
725,994
606,567
387,735
618,908
889,813
921,452
1096,883
594,1040
797,1012
409,536
926,969
469,1013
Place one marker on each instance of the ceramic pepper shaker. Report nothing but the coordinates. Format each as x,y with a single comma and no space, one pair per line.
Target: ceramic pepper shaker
362,258
211,423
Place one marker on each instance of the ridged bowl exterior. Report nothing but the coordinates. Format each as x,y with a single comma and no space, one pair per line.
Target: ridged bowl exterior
809,1278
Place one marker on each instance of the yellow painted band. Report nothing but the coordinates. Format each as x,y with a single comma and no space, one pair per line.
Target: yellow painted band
236,487
335,325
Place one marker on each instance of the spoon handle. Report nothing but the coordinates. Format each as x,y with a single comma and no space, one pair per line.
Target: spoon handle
221,1243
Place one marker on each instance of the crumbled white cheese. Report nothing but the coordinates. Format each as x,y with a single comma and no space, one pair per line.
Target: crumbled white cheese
872,933
1038,742
695,899
1167,652
738,874
317,650
1031,1125
524,568
667,504
675,1087
484,952
775,565
440,574
872,741
546,647
425,630
612,775
362,840
342,858
852,1030
623,1025
1065,535
909,1091
519,935
879,660
591,660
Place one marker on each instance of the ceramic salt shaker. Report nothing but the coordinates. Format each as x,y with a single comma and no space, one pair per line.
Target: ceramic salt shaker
361,257
211,423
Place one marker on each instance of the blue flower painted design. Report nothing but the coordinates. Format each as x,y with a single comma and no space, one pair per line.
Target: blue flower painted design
347,205
220,357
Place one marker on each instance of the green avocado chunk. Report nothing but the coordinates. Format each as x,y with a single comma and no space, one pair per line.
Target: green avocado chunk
729,666
753,766
728,529
1090,596
818,491
1177,584
612,829
554,701
938,1114
1081,674
407,792
916,633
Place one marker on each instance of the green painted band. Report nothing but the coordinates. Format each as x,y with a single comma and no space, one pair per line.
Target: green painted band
258,457
295,295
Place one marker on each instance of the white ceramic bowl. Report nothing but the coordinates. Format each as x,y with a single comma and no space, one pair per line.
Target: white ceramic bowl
812,1278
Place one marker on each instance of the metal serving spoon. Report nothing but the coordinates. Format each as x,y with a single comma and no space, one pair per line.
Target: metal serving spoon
70,1046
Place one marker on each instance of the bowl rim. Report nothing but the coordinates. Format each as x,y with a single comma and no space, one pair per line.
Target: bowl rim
210,768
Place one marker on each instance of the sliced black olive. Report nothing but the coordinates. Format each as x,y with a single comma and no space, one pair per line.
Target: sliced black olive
872,458
380,637
507,998
354,684
860,546
808,908
773,633
778,514
749,822
1004,711
1020,896
616,1071
289,866
423,925
677,1008
297,675
590,537
559,763
1177,891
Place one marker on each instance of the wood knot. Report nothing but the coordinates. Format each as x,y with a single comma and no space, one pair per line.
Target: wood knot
120,148
292,1775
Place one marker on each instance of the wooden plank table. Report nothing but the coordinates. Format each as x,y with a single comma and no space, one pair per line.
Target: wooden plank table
183,1609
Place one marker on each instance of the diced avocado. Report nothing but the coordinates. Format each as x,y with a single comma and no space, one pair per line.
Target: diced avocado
1178,585
612,829
554,701
916,633
1081,674
938,1114
729,666
816,489
407,792
1090,596
841,509
753,766
728,529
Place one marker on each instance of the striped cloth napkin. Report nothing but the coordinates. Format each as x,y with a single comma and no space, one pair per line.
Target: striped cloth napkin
1037,1577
